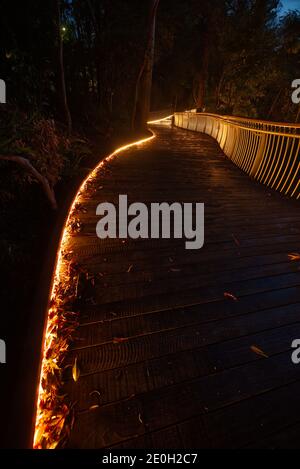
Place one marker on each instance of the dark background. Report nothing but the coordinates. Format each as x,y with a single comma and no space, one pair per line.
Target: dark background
231,57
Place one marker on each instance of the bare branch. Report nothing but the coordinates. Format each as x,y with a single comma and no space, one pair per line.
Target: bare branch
25,163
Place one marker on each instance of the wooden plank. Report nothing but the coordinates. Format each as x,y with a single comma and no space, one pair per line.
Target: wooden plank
173,358
253,419
286,438
163,322
143,376
173,404
173,278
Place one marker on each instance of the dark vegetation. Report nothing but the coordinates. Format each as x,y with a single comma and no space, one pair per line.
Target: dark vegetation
231,57
78,75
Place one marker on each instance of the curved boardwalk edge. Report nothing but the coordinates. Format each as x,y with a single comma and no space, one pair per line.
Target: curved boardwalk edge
176,348
52,412
268,151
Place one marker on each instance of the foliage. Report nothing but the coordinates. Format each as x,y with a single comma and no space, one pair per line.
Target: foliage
253,57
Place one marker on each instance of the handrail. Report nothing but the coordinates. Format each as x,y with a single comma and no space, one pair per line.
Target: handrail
246,119
267,151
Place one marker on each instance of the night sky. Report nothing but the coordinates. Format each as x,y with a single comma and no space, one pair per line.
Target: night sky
290,5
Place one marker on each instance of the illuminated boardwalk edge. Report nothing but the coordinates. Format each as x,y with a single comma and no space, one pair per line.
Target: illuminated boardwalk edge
185,349
52,412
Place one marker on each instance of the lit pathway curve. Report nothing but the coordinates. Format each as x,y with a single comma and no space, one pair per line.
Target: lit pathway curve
182,348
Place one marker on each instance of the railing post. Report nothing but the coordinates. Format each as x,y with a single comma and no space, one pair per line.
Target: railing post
267,151
259,156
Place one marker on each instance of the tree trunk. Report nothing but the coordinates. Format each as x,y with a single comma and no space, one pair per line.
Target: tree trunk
298,115
144,81
97,49
61,70
274,103
219,89
203,75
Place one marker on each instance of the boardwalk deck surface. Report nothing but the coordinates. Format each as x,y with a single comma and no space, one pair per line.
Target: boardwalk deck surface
167,357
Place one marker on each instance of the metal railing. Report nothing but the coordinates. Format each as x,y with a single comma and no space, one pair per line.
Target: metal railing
267,151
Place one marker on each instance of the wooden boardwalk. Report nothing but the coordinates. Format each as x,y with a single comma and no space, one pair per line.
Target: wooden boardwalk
169,359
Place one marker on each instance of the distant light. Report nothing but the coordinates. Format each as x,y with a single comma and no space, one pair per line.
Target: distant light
64,29
157,121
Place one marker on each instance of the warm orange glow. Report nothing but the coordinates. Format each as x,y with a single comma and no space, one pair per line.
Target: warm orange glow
157,121
51,411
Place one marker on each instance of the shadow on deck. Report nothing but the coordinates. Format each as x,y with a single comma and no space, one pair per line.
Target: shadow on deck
177,363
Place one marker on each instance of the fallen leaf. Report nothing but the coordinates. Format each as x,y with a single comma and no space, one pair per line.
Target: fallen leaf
230,296
258,351
294,256
120,340
75,371
94,407
95,392
237,242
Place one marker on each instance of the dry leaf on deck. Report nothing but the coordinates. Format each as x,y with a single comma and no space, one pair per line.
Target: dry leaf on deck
230,296
237,242
94,407
120,340
258,351
75,371
294,256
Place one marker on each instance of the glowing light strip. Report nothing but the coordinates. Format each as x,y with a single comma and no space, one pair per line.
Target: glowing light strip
61,277
272,160
244,119
160,120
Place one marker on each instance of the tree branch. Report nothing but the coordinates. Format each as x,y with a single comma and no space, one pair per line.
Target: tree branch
25,163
